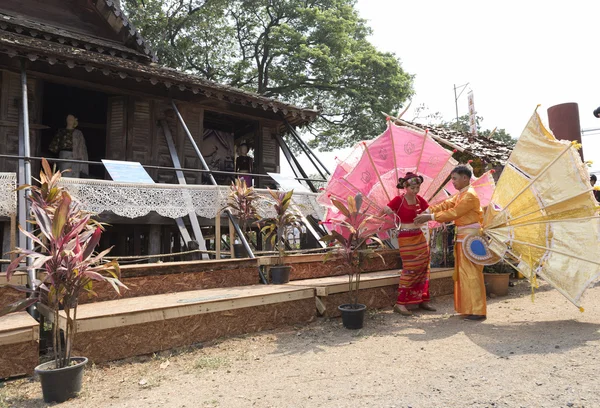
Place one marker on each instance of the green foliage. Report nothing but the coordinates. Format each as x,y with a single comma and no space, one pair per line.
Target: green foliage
353,236
501,135
65,238
285,221
463,126
310,53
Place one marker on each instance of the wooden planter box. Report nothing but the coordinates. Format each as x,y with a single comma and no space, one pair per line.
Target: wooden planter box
9,295
19,341
313,266
124,328
378,290
161,278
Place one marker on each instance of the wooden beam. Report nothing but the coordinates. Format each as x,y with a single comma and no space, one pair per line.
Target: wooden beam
33,126
147,309
154,240
231,239
321,308
218,235
181,179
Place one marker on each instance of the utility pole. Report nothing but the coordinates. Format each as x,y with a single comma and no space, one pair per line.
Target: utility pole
462,88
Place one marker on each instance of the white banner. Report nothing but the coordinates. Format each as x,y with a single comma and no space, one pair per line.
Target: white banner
472,117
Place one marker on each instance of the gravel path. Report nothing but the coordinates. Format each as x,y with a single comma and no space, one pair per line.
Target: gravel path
541,354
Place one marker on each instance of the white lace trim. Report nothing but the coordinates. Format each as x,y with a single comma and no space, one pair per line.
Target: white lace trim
8,195
134,200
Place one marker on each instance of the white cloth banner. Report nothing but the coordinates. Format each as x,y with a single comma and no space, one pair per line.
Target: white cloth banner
134,200
8,194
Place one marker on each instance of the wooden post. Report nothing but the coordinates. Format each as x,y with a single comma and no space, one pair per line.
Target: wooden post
13,235
6,242
218,234
121,240
137,241
231,238
154,241
166,242
181,179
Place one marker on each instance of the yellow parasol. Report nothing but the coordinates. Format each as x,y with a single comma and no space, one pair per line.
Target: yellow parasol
543,218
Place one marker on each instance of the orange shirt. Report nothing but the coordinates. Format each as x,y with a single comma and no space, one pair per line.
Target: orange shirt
463,208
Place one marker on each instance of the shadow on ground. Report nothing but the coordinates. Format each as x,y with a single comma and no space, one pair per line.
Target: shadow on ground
499,338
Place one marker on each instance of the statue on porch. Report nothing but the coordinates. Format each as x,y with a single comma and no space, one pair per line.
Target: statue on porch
243,164
69,143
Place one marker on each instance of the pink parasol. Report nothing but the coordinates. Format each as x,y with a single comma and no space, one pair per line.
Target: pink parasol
373,169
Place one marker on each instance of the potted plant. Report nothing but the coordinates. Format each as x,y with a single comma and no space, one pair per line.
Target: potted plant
356,240
497,278
64,238
241,201
276,229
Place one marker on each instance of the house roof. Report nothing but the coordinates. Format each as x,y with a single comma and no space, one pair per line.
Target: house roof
113,14
77,51
491,150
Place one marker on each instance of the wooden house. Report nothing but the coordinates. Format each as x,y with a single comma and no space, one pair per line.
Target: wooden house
83,57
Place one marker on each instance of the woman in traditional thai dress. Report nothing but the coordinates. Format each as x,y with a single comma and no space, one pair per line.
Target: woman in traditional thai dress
414,248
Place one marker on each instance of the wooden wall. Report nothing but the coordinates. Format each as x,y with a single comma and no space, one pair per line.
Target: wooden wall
267,153
10,114
133,131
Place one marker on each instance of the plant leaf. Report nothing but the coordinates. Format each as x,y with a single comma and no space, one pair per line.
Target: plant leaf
60,216
18,306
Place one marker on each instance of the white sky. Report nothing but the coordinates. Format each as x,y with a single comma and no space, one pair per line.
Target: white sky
514,55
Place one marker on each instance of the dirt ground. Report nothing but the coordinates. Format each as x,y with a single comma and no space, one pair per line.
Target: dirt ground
541,354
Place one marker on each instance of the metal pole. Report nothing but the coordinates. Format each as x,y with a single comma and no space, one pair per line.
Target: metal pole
306,149
214,182
285,147
456,104
25,242
456,99
146,166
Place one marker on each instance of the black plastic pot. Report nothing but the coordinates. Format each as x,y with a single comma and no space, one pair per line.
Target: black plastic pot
353,316
280,274
239,251
59,385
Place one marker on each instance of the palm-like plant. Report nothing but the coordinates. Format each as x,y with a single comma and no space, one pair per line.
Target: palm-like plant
286,219
65,238
242,202
356,240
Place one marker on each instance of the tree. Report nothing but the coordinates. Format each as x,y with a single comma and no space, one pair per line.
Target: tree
463,126
501,135
309,53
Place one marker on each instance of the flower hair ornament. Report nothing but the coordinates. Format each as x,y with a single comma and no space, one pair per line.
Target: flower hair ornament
410,179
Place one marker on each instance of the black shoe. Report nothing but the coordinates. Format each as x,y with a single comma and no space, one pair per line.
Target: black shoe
475,317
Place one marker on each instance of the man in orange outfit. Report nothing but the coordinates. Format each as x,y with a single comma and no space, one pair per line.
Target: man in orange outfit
465,210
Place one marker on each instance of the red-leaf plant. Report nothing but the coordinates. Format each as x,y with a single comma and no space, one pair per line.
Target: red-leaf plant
242,202
286,219
64,239
356,240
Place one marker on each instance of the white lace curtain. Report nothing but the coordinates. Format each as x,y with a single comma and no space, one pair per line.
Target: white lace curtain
8,195
134,200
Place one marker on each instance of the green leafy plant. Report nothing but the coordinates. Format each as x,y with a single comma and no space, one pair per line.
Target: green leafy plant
286,219
64,239
242,203
356,239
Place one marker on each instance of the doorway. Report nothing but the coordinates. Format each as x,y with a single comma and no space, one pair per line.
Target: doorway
90,109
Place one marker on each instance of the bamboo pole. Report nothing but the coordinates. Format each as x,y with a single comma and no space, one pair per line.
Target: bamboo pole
376,171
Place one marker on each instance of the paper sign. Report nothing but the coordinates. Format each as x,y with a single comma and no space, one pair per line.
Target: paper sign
127,172
288,183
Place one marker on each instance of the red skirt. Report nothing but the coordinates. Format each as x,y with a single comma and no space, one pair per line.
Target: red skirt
414,279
